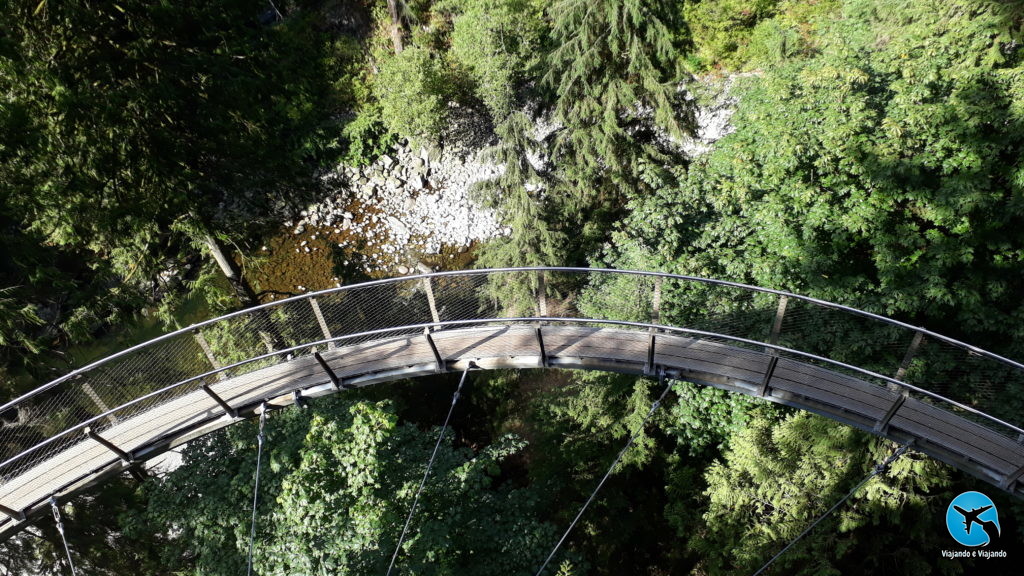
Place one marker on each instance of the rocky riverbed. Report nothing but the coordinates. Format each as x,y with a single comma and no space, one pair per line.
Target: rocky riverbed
410,206
414,205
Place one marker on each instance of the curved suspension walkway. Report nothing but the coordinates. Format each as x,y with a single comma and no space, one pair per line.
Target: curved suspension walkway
957,403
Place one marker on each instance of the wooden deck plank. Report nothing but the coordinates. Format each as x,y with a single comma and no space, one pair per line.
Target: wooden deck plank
959,435
194,407
873,400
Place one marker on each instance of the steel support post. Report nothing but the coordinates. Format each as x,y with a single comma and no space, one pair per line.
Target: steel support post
882,425
915,344
224,405
201,340
656,302
764,389
109,446
322,321
91,393
780,313
429,290
543,352
433,348
542,296
338,384
649,366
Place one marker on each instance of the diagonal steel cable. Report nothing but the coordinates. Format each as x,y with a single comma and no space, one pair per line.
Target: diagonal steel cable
256,488
430,464
654,407
60,529
878,469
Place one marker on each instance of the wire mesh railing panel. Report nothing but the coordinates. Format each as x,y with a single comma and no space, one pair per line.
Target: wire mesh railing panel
46,416
50,420
34,456
969,378
375,307
843,336
719,309
461,297
294,323
617,297
124,379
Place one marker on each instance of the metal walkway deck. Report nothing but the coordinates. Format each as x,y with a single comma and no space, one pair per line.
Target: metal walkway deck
134,406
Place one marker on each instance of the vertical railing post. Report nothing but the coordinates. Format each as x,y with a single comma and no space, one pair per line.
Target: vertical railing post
100,404
542,295
429,290
656,301
323,322
766,380
780,313
201,340
882,426
915,344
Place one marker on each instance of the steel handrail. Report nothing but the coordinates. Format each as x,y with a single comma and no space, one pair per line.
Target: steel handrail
523,320
485,271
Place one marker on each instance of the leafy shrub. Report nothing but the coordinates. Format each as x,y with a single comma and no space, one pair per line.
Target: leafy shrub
367,137
411,87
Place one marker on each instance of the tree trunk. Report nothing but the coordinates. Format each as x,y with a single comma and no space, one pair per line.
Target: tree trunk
245,294
396,26
261,321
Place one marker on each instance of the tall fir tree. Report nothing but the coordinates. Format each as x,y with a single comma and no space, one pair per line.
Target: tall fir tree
615,71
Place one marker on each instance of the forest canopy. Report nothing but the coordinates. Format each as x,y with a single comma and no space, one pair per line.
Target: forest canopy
869,154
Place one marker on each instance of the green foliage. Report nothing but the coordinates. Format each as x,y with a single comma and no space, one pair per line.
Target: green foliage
720,28
731,34
881,172
703,417
337,483
367,137
778,476
595,415
412,90
498,41
15,318
614,72
93,528
517,195
129,116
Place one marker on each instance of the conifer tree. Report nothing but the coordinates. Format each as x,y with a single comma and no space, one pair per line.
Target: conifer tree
518,195
615,72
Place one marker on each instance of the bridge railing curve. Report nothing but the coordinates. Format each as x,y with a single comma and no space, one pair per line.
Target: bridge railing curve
974,383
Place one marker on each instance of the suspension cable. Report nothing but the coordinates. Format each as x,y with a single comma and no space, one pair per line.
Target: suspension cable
256,488
878,469
430,463
632,438
60,529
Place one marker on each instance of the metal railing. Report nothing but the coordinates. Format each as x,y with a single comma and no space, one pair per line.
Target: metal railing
974,383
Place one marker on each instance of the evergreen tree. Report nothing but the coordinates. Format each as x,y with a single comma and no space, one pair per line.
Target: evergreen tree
520,199
615,73
133,119
778,476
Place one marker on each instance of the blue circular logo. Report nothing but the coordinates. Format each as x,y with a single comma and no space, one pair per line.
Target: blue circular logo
972,519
